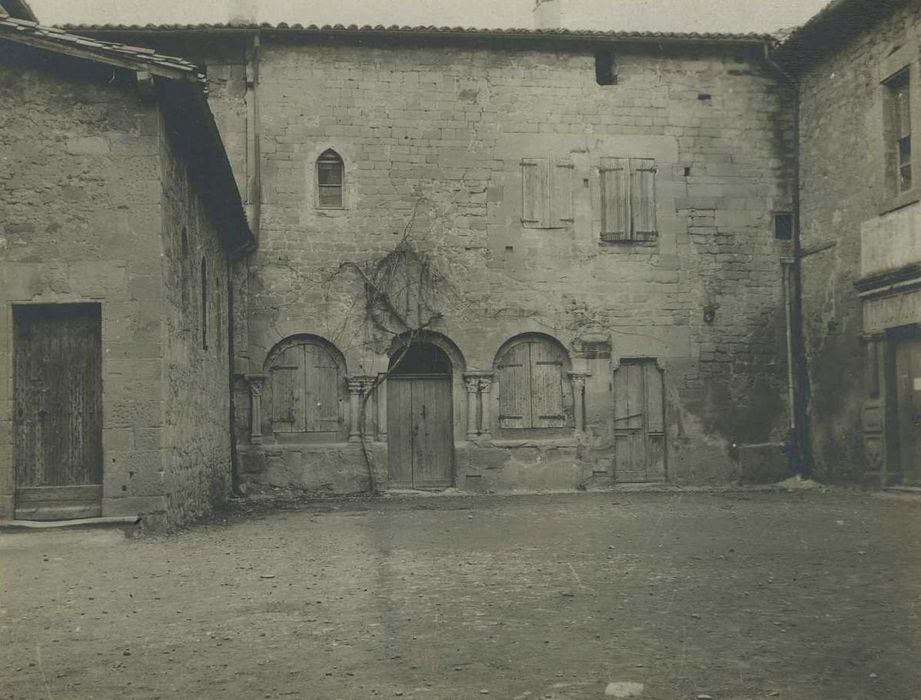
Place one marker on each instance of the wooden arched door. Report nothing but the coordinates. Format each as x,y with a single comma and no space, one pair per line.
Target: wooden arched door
420,419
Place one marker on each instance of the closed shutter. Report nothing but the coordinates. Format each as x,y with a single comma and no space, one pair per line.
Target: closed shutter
288,400
643,198
615,200
515,387
321,389
561,180
534,201
546,387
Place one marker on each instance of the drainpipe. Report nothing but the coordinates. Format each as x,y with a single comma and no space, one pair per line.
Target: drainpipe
797,370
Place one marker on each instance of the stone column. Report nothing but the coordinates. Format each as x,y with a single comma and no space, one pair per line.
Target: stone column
256,384
578,399
382,408
356,386
472,383
485,382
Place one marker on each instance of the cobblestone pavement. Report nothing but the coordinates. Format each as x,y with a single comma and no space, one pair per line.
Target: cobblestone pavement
674,595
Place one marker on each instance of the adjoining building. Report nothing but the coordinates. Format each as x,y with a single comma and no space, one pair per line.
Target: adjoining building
120,220
857,67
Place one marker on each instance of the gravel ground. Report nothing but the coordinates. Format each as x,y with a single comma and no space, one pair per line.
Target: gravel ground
671,595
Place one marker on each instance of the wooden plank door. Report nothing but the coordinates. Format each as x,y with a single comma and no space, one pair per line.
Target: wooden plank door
546,386
400,430
639,422
420,432
433,434
58,411
321,390
908,408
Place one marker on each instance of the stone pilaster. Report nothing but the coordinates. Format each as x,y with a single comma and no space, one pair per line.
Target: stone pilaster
256,383
578,399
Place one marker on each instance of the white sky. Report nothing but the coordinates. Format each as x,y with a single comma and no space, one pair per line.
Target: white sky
653,15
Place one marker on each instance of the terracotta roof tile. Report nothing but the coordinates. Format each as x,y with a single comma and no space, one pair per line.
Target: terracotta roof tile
428,30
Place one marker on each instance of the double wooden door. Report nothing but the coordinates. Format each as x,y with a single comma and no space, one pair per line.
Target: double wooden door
908,408
420,431
58,411
639,422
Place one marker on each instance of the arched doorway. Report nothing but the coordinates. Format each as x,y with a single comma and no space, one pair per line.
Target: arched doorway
420,421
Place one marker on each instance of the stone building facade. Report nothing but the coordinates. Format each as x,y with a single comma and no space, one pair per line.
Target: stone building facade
118,228
857,65
593,218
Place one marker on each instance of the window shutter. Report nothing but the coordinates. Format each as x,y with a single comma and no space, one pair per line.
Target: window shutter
515,387
615,200
321,387
546,387
287,378
534,203
643,198
561,193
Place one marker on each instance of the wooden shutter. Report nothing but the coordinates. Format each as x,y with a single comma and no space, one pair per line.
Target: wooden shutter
561,193
515,387
287,379
321,390
534,194
615,200
643,198
546,387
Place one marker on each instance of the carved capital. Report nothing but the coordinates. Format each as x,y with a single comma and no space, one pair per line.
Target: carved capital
256,383
472,384
578,379
485,383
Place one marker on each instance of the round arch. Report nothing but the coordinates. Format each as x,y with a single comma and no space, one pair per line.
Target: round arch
442,342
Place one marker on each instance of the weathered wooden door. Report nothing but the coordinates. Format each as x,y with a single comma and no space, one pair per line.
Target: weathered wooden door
420,422
58,411
908,408
639,422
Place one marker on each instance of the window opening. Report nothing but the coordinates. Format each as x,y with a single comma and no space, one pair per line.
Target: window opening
330,177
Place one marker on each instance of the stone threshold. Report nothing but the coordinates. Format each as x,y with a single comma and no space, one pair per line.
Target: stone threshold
102,522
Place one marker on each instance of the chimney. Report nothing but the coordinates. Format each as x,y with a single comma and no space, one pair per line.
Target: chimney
243,11
548,14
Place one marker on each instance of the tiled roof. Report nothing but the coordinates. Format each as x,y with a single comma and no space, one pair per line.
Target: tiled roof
396,30
133,57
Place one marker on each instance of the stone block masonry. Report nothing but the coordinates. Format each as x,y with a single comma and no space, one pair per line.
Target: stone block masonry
433,141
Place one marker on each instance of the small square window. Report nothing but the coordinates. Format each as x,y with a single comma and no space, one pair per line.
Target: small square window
783,226
605,67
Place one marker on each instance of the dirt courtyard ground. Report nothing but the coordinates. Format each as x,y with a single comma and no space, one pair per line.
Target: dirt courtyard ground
734,595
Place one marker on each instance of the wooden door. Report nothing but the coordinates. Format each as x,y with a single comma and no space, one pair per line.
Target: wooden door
908,408
400,428
58,411
639,422
420,431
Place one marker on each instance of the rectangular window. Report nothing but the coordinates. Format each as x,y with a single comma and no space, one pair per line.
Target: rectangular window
898,128
628,199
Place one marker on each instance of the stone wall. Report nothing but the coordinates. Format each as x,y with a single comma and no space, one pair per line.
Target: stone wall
433,138
843,186
196,468
80,210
